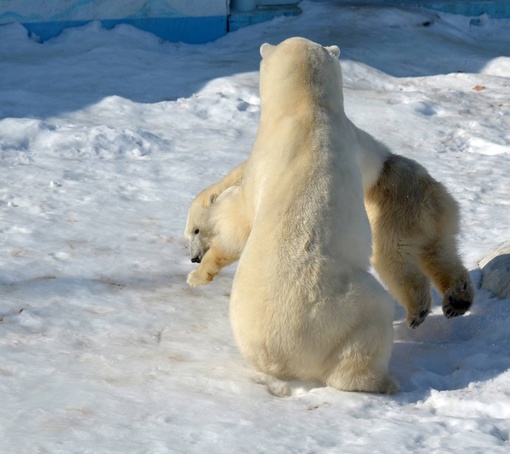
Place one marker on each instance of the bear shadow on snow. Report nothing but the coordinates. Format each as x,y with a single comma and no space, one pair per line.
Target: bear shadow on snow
442,354
450,354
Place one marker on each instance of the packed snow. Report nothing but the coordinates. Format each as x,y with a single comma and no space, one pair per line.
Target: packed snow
106,137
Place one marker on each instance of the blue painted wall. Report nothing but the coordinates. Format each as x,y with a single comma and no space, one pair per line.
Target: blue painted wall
191,21
472,8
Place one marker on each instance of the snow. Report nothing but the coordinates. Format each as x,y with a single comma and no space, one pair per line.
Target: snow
106,137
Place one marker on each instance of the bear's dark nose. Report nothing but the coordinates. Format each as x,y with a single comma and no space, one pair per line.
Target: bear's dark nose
196,259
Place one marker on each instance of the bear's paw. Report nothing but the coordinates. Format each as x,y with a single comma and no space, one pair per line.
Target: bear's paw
196,278
413,321
457,299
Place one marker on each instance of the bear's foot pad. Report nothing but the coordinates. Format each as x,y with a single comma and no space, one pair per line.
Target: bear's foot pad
416,321
454,307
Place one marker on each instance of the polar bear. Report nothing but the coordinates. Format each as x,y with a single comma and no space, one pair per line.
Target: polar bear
205,225
414,221
303,304
217,230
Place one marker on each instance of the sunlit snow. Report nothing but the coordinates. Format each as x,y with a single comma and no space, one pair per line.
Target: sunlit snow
106,137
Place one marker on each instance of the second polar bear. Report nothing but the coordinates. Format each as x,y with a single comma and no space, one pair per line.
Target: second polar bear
303,303
414,223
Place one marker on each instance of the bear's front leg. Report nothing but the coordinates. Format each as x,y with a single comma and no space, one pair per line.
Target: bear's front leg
212,262
199,277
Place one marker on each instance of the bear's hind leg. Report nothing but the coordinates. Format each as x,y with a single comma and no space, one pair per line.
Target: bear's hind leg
364,373
442,263
406,283
359,360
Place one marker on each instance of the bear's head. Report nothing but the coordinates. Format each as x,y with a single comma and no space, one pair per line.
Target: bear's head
298,68
199,232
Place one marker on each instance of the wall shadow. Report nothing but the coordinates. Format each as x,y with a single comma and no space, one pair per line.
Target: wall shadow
85,65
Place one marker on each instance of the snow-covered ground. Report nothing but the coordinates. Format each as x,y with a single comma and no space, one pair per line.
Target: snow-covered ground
106,137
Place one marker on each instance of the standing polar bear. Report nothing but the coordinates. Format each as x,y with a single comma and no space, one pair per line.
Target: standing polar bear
414,223
303,303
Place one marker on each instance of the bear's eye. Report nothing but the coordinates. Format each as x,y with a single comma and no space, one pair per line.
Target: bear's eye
197,231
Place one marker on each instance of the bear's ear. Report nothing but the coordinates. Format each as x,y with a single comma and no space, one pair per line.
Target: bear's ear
213,198
266,49
333,50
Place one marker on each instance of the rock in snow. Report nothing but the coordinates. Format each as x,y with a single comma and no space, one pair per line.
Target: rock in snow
496,271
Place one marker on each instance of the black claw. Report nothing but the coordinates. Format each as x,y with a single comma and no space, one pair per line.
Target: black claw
452,313
415,323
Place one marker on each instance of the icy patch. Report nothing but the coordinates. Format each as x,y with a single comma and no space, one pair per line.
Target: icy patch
482,146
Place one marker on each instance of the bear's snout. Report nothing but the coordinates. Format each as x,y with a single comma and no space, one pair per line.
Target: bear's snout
196,259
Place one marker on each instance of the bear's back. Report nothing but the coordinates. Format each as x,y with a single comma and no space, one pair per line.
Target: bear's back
310,229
